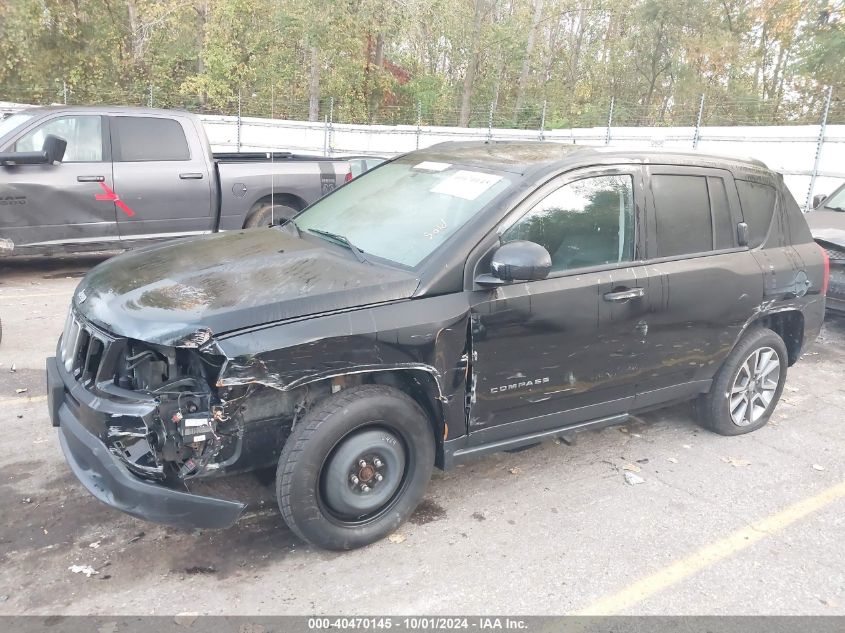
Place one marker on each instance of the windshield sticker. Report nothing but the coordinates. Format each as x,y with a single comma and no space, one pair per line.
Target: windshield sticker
428,165
466,184
441,226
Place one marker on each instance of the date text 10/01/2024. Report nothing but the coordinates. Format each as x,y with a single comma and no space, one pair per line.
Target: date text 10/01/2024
418,623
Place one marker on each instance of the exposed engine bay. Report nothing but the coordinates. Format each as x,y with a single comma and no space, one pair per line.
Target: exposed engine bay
189,426
195,429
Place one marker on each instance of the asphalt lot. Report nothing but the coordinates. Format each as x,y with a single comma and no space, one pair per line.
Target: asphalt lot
746,525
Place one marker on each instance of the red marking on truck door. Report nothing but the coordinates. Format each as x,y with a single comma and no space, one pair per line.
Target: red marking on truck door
111,196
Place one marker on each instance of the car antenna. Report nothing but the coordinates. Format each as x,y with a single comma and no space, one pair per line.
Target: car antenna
272,157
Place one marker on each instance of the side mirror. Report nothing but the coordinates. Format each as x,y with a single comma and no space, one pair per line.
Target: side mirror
818,199
518,261
742,237
54,149
52,152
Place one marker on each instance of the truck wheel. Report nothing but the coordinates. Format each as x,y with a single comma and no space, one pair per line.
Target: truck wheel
355,467
747,387
269,214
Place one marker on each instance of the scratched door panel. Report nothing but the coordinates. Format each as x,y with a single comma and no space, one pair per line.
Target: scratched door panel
561,350
536,350
705,285
58,203
624,330
693,328
161,178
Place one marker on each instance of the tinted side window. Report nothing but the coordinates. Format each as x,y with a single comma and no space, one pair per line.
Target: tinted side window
758,207
148,138
83,134
682,208
588,222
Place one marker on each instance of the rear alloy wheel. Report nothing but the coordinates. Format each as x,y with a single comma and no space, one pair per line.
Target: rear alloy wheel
355,467
747,388
755,386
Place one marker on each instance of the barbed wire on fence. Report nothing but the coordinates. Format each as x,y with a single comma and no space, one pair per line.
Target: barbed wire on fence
545,115
533,120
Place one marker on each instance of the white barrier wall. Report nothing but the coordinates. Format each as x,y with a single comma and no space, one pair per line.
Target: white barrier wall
790,150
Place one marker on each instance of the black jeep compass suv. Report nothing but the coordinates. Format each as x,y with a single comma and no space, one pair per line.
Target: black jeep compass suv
465,298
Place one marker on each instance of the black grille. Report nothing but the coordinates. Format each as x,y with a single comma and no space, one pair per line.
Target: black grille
83,349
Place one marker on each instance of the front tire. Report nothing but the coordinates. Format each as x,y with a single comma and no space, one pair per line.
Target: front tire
747,387
355,467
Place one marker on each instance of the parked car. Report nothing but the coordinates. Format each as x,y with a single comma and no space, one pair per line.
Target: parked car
827,224
458,300
127,176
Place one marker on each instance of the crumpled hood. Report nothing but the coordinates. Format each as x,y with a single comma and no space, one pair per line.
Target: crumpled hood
828,226
229,281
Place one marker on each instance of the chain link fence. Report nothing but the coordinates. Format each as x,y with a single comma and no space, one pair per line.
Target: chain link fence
251,117
265,102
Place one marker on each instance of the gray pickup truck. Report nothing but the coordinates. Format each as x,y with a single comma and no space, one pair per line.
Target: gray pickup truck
103,178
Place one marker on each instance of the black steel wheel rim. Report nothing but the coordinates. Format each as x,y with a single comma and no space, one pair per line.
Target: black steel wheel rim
374,456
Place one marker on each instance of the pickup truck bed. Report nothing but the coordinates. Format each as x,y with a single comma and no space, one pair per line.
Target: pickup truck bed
133,175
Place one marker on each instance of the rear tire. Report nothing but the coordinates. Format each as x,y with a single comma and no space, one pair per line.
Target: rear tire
747,387
270,214
355,467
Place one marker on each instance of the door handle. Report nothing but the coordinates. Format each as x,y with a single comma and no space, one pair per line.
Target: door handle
625,295
91,178
191,176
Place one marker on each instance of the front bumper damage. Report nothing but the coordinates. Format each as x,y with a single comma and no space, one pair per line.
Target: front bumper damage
78,414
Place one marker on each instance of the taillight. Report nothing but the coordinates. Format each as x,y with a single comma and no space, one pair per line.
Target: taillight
348,176
826,279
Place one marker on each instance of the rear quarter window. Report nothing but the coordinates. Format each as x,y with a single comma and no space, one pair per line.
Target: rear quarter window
798,229
758,208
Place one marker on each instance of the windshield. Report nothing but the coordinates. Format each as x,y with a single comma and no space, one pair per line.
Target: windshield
836,202
10,123
405,210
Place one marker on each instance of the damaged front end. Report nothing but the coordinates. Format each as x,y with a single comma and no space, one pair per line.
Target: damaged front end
138,421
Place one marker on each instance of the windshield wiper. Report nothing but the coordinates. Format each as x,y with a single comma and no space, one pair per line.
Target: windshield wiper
834,208
340,239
